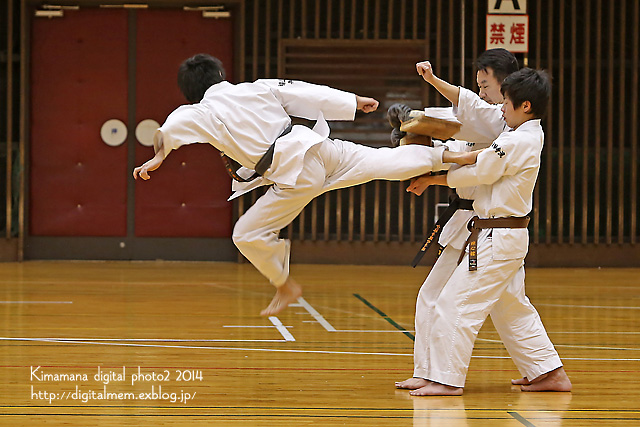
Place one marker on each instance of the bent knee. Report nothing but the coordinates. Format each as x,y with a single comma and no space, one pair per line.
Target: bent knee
245,233
238,239
241,233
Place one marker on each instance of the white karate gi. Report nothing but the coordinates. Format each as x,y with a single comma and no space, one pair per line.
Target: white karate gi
243,121
515,319
481,124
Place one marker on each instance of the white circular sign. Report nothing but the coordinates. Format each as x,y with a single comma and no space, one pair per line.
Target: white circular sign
113,132
145,131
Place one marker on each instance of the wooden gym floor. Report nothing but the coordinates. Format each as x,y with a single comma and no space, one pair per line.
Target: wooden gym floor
162,343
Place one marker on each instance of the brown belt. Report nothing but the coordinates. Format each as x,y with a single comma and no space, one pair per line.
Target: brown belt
476,224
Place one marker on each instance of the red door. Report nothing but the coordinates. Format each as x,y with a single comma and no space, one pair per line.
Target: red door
96,65
187,195
78,81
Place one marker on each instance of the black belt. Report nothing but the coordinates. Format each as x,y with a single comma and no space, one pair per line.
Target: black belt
476,224
262,165
455,203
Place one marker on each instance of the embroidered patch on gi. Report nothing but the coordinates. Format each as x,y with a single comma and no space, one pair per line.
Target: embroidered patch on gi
470,144
283,82
498,150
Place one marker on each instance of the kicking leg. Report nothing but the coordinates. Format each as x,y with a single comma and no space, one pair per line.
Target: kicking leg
360,164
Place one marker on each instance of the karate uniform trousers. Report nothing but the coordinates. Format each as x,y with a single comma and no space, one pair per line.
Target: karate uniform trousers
329,165
453,304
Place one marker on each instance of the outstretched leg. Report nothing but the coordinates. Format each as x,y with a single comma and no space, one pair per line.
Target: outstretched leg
359,164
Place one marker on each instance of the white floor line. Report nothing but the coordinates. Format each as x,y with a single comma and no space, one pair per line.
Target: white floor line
386,331
158,340
267,340
245,326
314,313
595,332
589,306
586,347
36,302
279,350
281,328
578,332
325,324
189,347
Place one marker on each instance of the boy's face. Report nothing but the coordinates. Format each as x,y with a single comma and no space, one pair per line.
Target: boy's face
489,86
515,115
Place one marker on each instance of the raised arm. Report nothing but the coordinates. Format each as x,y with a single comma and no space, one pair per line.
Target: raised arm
447,90
307,100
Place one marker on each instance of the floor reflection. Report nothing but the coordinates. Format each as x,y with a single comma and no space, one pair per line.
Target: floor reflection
548,408
439,411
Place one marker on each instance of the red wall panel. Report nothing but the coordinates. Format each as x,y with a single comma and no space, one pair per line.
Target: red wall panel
78,81
187,195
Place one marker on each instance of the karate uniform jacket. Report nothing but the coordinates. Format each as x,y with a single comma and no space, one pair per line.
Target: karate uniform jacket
481,124
243,120
505,175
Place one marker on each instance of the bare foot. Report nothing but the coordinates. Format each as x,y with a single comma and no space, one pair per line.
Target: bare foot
285,295
521,381
556,380
412,383
437,389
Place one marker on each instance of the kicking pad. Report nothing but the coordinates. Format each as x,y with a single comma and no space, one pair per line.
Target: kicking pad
421,128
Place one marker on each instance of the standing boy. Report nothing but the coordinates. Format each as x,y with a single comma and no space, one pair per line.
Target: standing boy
482,122
250,123
490,278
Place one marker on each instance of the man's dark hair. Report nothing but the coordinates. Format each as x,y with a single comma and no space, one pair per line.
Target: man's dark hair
501,61
528,85
197,74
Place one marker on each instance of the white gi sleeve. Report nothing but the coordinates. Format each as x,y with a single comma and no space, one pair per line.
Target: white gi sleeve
480,120
307,100
189,124
180,128
452,145
455,145
504,157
